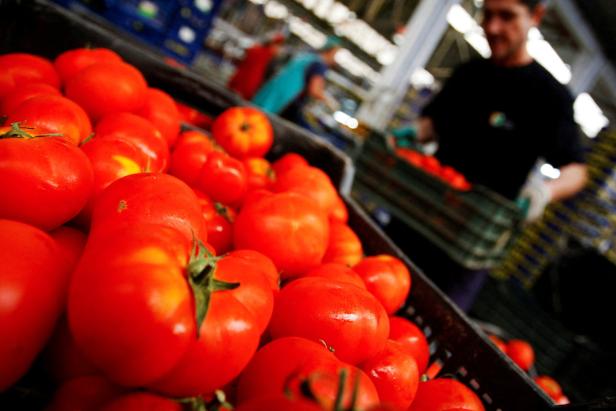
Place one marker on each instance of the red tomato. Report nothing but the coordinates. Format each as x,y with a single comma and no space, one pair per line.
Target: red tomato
521,353
336,272
500,344
71,243
105,88
161,111
344,246
223,178
431,165
278,402
387,278
448,174
562,400
415,158
243,132
63,360
189,155
339,212
346,317
460,183
71,62
311,182
263,263
288,228
394,374
445,394
13,99
287,162
412,339
550,386
142,401
141,133
53,114
19,69
47,171
153,199
28,308
191,116
259,173
111,160
84,393
219,221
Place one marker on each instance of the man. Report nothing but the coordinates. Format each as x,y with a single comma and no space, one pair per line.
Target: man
494,118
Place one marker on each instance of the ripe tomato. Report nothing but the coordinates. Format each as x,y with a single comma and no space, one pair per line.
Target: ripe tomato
339,212
261,262
243,132
142,401
28,308
500,344
336,272
222,178
141,133
278,402
71,62
150,198
550,386
105,88
445,394
111,160
311,182
394,374
160,109
189,155
14,98
387,278
521,353
259,173
84,393
346,317
19,69
431,165
47,171
412,339
287,162
53,114
344,246
287,227
191,116
219,221
460,183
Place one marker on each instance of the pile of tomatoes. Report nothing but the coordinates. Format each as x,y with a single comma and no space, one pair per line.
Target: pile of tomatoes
150,268
432,166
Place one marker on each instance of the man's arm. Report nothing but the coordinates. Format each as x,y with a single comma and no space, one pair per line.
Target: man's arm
572,179
316,87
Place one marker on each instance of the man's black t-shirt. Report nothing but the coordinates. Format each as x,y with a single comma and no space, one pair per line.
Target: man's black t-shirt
494,122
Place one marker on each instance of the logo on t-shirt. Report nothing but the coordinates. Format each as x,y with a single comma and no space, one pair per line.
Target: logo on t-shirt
498,119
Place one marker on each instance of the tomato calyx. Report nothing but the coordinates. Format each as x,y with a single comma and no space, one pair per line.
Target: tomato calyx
222,211
17,131
245,126
201,272
219,402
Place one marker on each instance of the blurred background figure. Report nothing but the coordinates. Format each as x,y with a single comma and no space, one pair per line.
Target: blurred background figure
253,69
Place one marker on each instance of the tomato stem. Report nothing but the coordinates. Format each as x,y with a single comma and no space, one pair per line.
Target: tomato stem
340,393
17,131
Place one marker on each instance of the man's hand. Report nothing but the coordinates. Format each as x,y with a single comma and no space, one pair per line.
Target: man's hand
572,179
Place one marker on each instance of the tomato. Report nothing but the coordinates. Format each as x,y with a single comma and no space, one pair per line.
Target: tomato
259,173
45,180
243,132
448,174
261,262
105,88
412,339
285,364
161,111
150,198
337,272
53,114
287,162
14,98
70,242
111,160
287,227
562,400
339,212
63,360
33,283
189,155
500,344
84,393
414,157
431,165
387,278
142,401
460,183
521,353
344,246
222,178
19,69
278,403
445,394
141,133
550,386
219,221
71,62
191,116
394,374
346,317
311,182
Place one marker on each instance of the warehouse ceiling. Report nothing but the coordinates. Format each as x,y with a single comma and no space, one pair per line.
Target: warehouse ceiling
601,16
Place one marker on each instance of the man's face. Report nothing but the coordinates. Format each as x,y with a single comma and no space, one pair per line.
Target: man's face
506,24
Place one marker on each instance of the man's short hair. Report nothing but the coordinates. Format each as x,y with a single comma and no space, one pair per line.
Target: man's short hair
531,4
